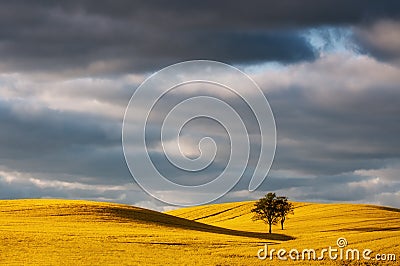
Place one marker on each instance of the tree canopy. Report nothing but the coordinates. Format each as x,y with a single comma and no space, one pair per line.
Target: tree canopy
272,209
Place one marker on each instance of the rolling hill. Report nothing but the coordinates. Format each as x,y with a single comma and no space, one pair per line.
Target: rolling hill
72,232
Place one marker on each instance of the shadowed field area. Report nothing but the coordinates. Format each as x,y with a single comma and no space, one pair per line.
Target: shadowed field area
49,232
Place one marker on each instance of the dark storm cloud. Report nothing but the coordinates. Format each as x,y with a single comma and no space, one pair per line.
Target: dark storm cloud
216,14
98,37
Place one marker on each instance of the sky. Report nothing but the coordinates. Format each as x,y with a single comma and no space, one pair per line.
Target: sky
329,69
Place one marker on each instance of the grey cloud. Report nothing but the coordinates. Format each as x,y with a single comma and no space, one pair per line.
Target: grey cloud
48,141
346,187
380,39
365,190
388,199
30,128
325,129
326,126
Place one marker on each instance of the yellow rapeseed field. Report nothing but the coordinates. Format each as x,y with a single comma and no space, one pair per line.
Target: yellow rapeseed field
69,232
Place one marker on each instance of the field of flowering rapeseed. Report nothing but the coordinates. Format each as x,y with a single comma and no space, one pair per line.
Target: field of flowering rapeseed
69,232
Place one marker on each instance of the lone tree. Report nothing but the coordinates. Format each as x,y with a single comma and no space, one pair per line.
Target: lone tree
284,208
272,209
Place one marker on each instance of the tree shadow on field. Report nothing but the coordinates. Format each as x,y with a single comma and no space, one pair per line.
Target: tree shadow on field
128,214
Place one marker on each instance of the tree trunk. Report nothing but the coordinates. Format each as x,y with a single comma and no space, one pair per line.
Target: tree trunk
282,223
270,228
